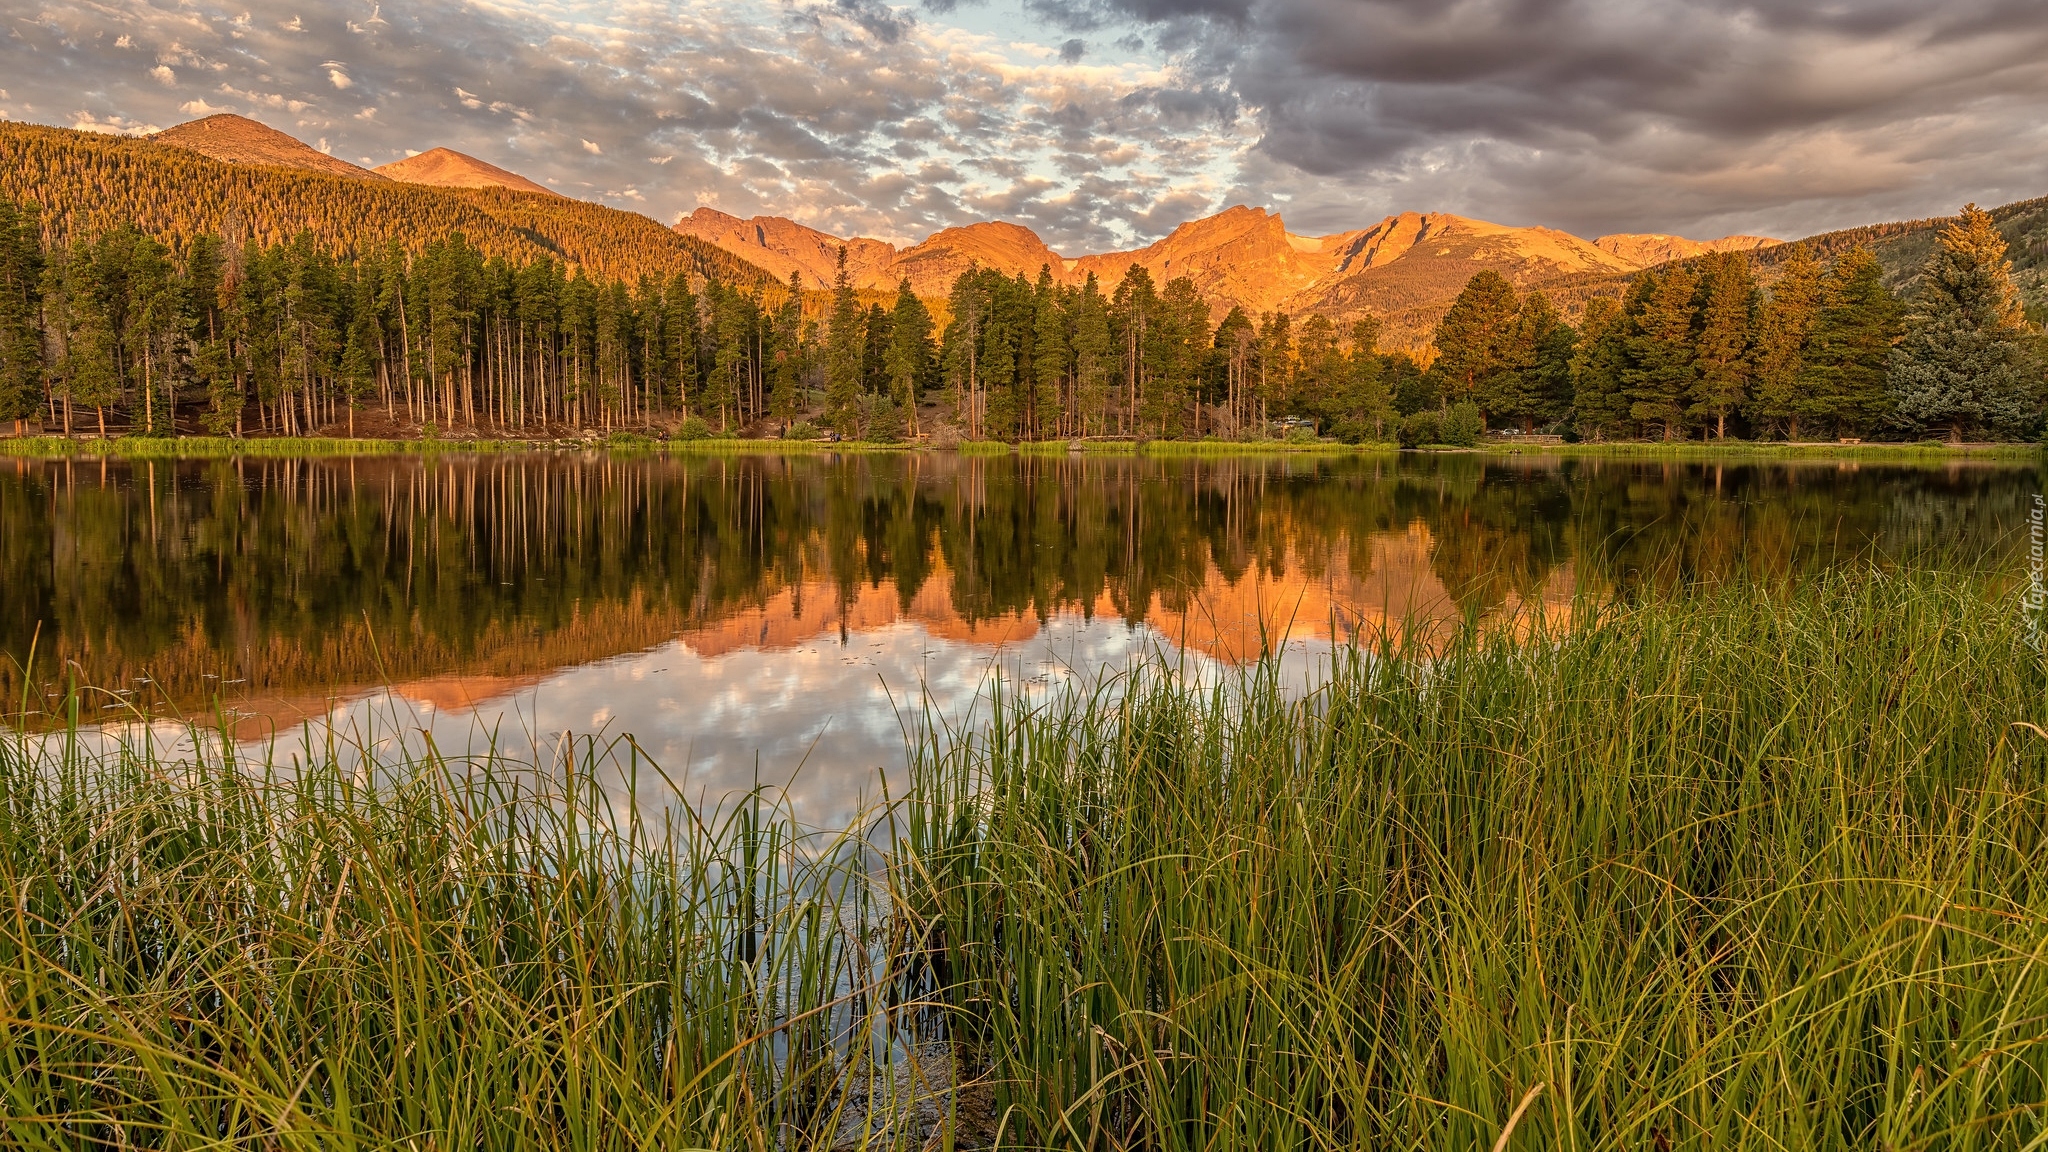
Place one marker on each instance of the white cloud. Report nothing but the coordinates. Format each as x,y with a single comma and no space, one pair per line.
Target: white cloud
895,121
111,125
164,76
199,108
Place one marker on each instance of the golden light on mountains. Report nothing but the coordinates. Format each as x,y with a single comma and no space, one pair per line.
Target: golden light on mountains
1405,268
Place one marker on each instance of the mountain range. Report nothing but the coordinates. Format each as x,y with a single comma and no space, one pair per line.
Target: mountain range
1405,269
1399,268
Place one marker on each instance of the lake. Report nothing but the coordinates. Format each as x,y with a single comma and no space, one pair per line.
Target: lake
782,618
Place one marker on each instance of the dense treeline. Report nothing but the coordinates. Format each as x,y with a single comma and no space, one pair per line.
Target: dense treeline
1700,348
122,332
1036,361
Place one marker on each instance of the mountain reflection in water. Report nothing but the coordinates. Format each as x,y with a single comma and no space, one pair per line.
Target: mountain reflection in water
739,613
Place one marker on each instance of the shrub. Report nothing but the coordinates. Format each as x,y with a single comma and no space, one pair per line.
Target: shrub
1424,427
802,430
693,429
1463,424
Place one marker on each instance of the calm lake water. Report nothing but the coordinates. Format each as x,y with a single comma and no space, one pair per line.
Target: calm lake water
742,617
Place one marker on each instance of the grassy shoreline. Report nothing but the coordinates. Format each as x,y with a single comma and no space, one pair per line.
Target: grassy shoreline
203,447
1767,450
1762,867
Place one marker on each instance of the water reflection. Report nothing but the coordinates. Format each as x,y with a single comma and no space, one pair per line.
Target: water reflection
739,611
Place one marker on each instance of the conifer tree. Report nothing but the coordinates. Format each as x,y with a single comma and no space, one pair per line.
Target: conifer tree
1600,405
910,350
1842,381
1966,363
1094,358
1784,324
1474,337
21,288
845,348
1236,360
90,369
1051,361
1662,367
1532,380
1727,316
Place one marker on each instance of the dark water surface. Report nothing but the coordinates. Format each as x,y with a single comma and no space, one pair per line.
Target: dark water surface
739,615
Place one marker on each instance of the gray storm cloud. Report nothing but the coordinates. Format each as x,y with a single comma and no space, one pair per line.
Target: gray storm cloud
857,116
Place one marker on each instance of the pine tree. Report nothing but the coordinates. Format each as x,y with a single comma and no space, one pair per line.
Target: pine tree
21,285
90,368
910,350
1727,317
1474,337
1051,361
1661,366
1600,404
1848,354
1784,324
1134,309
845,349
1094,358
1966,362
1532,380
1236,358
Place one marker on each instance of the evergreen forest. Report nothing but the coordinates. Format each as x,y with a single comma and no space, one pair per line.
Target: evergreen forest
136,331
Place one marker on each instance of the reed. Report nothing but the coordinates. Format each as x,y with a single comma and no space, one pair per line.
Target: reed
426,952
1762,870
1761,866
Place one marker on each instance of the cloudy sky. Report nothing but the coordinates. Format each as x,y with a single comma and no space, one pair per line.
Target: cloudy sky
1103,123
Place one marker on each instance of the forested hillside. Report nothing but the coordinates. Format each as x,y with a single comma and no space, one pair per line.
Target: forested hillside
86,184
1902,248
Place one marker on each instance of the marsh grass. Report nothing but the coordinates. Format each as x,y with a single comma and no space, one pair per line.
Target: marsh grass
1762,870
443,953
1756,867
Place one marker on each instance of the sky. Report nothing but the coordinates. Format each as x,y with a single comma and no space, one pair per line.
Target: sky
1102,124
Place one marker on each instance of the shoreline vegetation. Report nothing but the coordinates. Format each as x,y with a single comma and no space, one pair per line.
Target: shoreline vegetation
215,447
120,332
1760,866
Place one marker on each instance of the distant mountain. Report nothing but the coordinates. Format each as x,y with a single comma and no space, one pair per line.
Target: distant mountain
1406,268
1242,257
87,183
447,168
785,246
1647,249
235,139
932,266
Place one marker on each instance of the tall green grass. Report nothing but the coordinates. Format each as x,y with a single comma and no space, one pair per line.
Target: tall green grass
1759,867
1756,871
429,953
